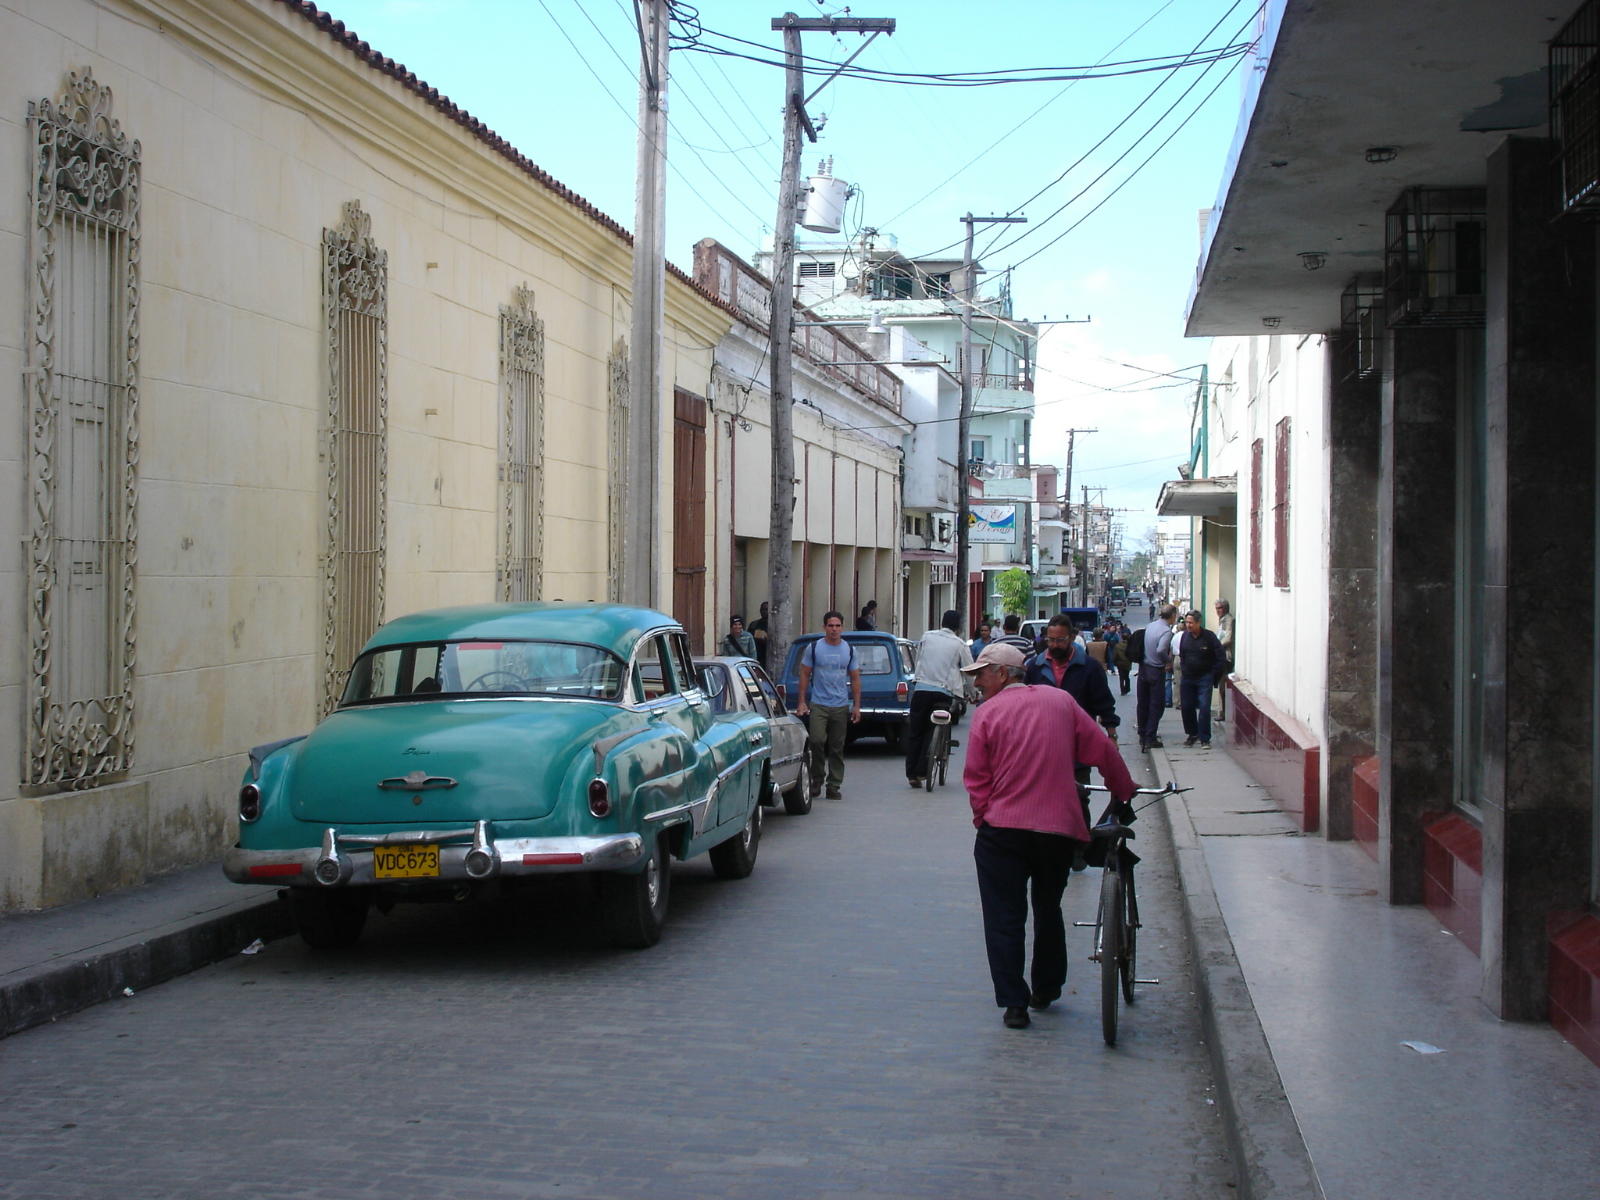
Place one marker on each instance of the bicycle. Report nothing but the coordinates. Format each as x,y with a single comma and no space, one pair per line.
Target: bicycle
938,748
1116,921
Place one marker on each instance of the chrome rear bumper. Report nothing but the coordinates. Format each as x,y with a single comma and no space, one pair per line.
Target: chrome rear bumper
467,855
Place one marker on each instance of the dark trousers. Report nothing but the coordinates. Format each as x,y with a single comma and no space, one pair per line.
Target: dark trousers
1152,702
1194,702
919,729
1008,860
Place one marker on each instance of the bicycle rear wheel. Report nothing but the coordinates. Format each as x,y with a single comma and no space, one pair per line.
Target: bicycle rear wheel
935,747
944,751
1111,934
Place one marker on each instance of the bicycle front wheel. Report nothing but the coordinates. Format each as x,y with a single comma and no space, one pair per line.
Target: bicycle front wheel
1130,938
1111,946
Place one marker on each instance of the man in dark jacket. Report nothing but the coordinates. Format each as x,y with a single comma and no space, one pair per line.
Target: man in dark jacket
1067,665
1202,662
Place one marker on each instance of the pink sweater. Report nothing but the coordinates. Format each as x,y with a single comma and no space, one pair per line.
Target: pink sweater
1021,751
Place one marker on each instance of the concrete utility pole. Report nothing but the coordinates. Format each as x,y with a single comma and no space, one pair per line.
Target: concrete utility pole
641,540
969,285
780,330
1066,491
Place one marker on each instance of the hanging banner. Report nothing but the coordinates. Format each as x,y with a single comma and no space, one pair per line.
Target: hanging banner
993,523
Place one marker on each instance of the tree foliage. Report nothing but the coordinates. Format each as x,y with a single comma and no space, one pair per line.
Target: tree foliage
1015,588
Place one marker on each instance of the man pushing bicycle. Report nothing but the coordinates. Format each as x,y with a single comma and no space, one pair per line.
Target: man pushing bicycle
1022,751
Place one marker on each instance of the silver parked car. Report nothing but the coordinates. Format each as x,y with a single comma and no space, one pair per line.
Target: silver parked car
739,685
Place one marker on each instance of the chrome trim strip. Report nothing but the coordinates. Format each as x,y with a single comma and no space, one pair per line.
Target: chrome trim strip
407,836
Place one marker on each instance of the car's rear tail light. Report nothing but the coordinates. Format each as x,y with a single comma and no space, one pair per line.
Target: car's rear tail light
902,691
249,802
552,860
274,870
599,797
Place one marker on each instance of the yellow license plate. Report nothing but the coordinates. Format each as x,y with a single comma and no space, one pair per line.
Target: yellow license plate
405,862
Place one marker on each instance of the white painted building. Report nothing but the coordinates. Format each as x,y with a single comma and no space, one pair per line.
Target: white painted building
848,424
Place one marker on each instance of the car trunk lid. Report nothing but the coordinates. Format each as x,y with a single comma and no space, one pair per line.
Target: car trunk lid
444,761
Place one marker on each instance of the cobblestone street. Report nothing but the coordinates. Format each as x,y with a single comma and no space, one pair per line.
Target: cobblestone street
823,1029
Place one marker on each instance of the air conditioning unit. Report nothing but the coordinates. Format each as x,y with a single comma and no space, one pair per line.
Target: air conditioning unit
1575,109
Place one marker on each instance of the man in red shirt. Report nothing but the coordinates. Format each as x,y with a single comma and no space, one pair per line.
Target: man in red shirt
1022,750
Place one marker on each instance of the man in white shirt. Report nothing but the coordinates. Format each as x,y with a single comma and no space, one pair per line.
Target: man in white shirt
940,656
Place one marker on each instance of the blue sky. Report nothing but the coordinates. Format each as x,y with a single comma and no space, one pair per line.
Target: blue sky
1109,236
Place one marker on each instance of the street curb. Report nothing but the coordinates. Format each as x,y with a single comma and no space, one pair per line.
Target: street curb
1264,1137
139,962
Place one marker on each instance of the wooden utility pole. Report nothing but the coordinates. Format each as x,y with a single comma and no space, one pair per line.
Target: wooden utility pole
780,330
641,532
969,303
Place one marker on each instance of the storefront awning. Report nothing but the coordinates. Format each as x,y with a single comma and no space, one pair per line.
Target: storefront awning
1199,497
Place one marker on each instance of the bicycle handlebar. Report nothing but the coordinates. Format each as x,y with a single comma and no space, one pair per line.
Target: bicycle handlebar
1170,788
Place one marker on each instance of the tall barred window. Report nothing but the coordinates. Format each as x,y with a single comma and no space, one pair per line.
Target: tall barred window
355,277
83,448
617,461
518,573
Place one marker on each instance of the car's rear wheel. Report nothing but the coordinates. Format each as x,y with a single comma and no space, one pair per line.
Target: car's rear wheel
635,904
329,920
797,801
736,857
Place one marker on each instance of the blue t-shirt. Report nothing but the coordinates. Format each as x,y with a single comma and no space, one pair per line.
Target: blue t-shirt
830,673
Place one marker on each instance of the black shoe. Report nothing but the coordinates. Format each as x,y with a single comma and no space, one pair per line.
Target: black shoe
1017,1017
954,743
1189,741
1155,744
1038,1001
914,783
1144,746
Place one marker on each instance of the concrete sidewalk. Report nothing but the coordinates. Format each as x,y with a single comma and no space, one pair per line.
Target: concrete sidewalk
1353,1027
56,962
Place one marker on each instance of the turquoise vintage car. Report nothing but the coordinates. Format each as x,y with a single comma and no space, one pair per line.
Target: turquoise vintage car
477,747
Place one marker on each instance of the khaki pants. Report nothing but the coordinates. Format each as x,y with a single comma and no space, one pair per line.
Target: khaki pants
828,724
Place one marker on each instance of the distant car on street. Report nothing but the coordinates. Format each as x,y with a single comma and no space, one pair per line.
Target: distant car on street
487,746
739,685
888,666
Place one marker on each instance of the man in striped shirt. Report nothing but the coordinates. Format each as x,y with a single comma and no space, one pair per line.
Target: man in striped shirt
1022,750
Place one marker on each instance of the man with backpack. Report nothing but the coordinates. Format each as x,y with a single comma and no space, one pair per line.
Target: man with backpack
831,681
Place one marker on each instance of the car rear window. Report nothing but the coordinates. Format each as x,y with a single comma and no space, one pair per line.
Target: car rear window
429,670
873,658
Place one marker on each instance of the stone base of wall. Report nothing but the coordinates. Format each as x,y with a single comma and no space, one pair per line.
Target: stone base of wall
1279,753
70,846
1452,875
1574,983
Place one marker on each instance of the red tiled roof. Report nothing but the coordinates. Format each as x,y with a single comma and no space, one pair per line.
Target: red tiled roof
363,50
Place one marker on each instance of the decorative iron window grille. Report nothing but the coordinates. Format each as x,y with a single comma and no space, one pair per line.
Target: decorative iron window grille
617,456
521,472
355,281
1434,262
1362,325
83,448
1575,109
